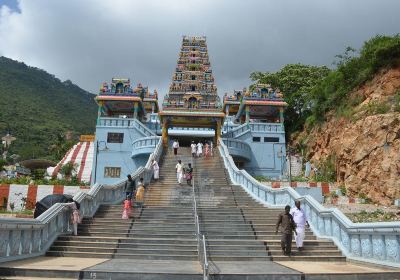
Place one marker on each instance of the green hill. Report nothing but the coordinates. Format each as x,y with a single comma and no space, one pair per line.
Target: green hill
39,108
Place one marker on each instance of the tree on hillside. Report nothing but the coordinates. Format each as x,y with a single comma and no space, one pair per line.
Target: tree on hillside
39,106
296,82
353,69
60,146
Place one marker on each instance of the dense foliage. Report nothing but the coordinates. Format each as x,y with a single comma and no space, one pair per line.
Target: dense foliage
40,109
313,91
332,93
296,81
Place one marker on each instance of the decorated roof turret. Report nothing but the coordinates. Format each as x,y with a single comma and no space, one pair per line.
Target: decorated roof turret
262,92
193,84
118,86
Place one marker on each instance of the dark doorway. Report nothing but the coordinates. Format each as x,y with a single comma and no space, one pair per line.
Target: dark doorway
119,88
192,102
185,141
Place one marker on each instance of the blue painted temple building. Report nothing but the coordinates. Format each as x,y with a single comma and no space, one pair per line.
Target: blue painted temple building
129,123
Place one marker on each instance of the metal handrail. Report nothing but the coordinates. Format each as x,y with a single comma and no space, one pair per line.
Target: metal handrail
205,263
201,240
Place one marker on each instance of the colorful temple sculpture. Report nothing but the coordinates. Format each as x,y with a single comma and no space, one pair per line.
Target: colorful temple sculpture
255,119
130,123
192,100
121,126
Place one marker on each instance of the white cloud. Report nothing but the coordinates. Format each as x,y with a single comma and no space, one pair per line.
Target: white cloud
91,41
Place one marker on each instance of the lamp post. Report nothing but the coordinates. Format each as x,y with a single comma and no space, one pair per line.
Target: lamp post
7,140
97,152
288,152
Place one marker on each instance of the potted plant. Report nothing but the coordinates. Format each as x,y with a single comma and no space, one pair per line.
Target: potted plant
334,197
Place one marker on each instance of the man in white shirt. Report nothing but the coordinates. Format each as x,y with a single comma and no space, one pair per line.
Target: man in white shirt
179,172
194,149
175,145
300,218
199,149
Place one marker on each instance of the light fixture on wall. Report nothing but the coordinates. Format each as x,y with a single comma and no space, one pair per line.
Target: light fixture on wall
99,146
97,152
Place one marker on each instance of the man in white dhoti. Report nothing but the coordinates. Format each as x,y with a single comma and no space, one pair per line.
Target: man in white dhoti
199,149
300,219
156,169
179,172
194,149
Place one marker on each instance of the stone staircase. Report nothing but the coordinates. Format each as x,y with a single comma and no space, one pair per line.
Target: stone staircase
163,230
159,241
238,228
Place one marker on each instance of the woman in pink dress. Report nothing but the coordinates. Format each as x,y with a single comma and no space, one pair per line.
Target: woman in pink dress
127,209
207,150
75,217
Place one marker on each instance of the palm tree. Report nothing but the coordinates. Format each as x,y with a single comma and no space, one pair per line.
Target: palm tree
67,169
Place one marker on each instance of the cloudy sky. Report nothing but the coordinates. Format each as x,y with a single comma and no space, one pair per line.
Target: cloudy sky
90,41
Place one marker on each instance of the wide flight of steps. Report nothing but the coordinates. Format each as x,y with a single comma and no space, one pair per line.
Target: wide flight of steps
163,230
238,228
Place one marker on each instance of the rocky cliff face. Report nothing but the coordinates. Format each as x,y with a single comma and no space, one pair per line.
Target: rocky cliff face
365,145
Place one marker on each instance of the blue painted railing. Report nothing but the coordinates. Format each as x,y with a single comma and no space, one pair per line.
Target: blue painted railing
144,145
25,238
191,128
125,122
238,148
229,124
377,243
267,127
254,127
236,132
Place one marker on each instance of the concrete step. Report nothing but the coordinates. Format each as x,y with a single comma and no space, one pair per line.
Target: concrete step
139,234
127,239
122,244
113,255
126,250
185,231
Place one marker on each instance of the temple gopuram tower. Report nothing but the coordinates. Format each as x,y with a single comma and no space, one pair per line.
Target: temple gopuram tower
192,100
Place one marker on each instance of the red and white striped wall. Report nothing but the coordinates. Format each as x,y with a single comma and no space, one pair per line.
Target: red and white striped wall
326,187
17,193
80,154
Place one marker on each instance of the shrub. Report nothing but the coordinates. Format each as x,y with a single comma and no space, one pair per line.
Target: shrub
38,174
397,101
326,170
299,179
352,71
72,181
366,199
374,108
68,168
333,194
343,189
263,178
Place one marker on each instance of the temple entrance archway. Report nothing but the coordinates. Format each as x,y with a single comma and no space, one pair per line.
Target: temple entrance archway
196,125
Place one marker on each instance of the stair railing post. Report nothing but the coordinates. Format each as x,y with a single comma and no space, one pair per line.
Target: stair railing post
201,248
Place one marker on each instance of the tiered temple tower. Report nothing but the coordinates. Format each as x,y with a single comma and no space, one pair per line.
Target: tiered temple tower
192,100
